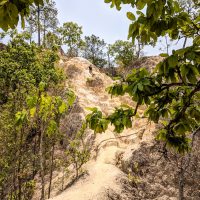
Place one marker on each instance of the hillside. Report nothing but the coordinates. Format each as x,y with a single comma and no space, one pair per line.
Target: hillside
126,166
103,174
86,114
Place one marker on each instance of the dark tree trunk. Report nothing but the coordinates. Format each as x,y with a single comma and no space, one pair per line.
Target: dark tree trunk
51,171
19,166
42,174
34,157
44,38
185,41
181,182
38,24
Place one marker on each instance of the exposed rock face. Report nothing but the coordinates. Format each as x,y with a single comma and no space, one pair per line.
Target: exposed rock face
127,166
149,63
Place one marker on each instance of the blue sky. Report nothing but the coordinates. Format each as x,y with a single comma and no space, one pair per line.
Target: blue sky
96,17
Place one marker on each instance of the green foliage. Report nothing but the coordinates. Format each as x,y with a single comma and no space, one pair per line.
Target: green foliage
93,50
171,92
71,97
123,52
29,110
52,41
71,36
43,19
158,19
11,10
96,121
78,153
121,118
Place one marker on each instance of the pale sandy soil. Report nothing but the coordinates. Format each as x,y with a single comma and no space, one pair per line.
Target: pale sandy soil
103,174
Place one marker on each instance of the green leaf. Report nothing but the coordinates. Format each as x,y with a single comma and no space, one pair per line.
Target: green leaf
191,77
140,4
179,128
31,101
62,108
3,2
130,16
21,117
32,111
164,55
172,61
140,86
42,86
71,97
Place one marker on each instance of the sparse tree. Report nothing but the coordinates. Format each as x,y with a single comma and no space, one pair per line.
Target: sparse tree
71,36
123,52
94,50
78,152
43,19
52,40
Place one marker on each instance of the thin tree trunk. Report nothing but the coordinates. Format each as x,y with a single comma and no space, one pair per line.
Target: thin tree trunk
38,24
167,45
181,182
19,167
139,49
44,38
19,180
14,184
30,38
41,153
77,169
51,171
185,41
108,60
34,157
63,179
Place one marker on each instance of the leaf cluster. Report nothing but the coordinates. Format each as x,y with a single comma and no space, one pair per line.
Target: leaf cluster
10,11
170,93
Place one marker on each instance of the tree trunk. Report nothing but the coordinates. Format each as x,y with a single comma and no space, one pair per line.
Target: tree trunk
185,41
77,169
42,174
38,24
63,179
30,38
181,183
19,180
167,45
19,166
51,171
34,157
44,38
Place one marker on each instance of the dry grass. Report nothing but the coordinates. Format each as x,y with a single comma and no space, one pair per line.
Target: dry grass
72,71
95,83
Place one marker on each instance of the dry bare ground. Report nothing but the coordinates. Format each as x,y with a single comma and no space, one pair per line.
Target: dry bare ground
126,166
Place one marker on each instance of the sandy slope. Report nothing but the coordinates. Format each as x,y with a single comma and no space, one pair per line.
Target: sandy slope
103,174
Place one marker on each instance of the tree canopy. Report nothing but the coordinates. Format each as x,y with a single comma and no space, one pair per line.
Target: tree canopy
171,92
11,11
123,52
94,50
71,36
